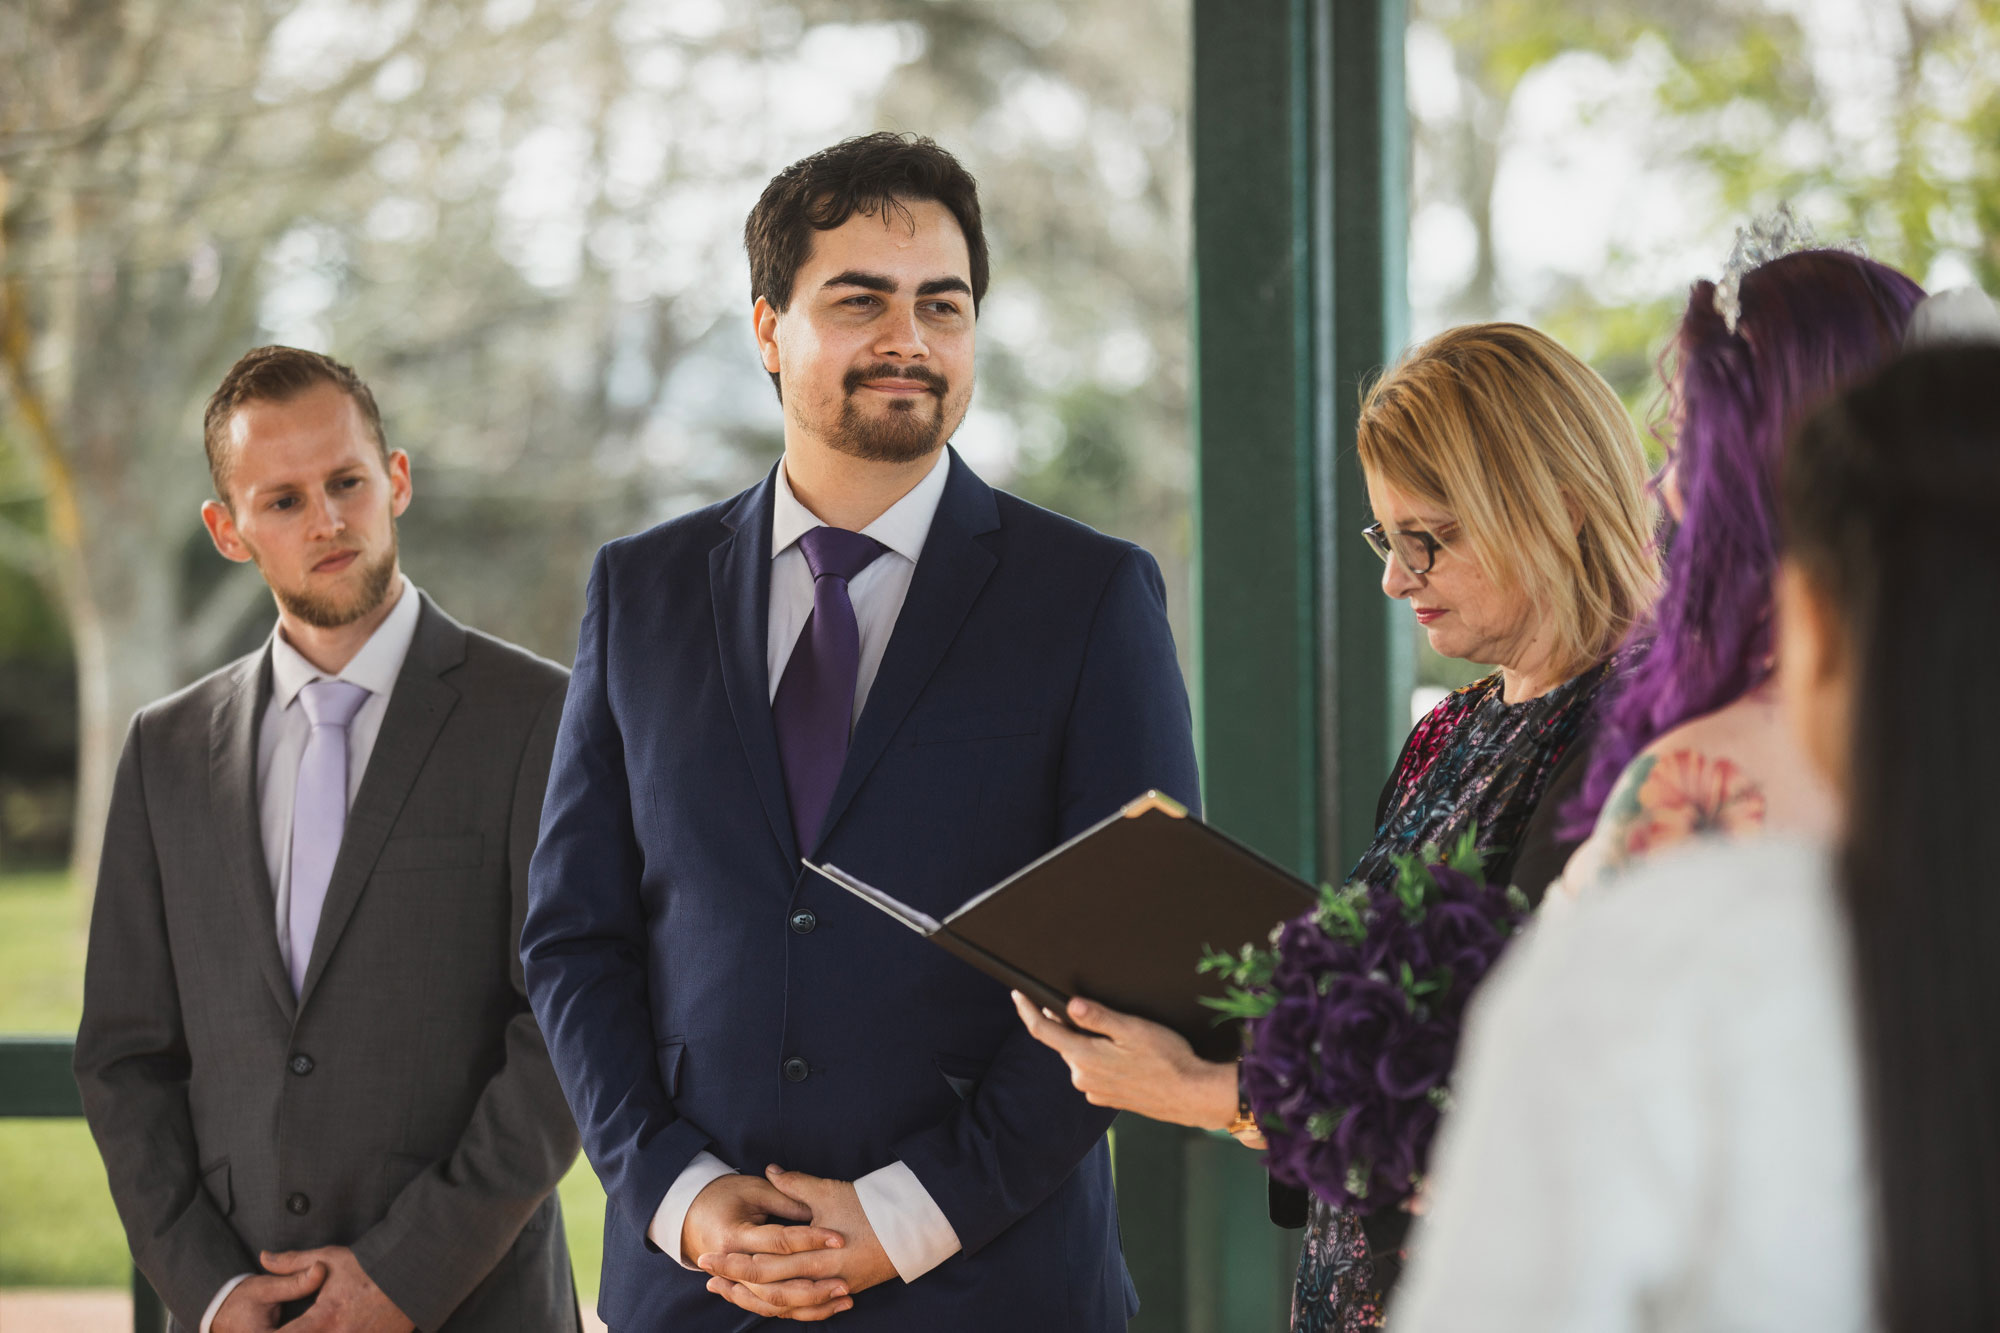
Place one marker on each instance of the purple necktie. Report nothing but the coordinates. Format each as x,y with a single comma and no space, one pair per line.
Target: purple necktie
319,811
814,706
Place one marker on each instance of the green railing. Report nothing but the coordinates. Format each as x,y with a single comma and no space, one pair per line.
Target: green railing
36,1083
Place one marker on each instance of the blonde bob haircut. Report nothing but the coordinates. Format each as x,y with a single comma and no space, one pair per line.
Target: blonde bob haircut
1534,456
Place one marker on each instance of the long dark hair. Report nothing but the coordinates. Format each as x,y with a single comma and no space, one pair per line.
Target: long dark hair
1892,508
1812,322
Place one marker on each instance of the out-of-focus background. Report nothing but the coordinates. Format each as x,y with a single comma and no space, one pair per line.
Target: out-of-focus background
520,220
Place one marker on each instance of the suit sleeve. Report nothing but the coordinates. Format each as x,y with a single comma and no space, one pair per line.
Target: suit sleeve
453,1223
1129,730
132,1067
585,945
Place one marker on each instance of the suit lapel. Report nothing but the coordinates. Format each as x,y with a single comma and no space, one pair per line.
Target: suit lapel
952,570
233,815
417,710
739,585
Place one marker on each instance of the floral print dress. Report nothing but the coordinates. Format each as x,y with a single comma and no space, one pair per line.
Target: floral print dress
1504,768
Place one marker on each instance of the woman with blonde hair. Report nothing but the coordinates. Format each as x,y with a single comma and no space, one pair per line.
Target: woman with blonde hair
1754,1087
1508,488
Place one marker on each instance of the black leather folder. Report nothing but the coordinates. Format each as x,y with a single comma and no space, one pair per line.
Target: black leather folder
1121,914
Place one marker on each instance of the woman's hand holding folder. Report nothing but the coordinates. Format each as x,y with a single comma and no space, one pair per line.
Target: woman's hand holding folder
1139,1066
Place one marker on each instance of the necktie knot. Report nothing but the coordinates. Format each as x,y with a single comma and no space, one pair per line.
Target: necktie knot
838,553
332,703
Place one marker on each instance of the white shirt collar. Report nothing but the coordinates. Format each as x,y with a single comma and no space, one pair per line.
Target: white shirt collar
903,527
374,668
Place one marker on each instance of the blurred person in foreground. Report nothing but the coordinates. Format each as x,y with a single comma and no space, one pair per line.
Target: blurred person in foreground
306,1050
1753,1085
871,658
1692,740
1508,487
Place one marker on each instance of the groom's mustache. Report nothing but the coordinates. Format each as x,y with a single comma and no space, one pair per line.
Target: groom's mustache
923,375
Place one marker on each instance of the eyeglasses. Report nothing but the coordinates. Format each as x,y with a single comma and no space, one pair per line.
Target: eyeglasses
1415,548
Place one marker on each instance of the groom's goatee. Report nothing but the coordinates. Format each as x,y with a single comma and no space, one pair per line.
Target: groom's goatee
906,432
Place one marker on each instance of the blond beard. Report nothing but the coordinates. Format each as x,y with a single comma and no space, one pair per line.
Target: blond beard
325,612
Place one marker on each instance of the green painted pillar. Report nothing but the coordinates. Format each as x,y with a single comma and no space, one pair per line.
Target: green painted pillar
1302,676
1367,643
149,1315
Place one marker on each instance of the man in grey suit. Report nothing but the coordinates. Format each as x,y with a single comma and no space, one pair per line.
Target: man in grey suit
306,1050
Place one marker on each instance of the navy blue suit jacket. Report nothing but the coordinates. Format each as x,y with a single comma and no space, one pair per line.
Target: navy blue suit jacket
1028,690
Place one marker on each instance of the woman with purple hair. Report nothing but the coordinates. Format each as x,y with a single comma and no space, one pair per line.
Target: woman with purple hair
1693,742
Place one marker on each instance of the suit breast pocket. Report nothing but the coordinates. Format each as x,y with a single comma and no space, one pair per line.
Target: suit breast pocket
986,725
458,851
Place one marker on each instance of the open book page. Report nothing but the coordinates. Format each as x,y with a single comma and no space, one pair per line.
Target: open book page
868,893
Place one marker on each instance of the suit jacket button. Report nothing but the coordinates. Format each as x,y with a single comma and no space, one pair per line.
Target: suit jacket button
796,1070
804,920
301,1064
298,1205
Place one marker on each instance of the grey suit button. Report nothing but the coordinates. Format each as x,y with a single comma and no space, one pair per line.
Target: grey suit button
301,1064
298,1205
804,920
796,1070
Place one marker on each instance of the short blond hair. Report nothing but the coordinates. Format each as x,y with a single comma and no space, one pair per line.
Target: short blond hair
1537,459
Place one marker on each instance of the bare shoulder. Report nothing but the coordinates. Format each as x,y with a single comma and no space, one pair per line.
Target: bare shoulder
1703,778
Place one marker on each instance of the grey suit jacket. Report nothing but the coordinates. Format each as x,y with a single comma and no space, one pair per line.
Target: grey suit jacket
403,1104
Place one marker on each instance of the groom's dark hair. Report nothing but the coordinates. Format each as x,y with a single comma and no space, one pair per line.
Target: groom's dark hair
875,174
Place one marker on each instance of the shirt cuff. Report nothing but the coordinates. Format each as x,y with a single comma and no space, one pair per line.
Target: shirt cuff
696,1176
912,1229
215,1306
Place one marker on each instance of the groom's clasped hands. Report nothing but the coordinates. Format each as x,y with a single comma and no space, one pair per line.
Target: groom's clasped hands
786,1246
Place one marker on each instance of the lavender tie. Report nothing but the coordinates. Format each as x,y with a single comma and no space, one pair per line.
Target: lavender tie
814,706
319,811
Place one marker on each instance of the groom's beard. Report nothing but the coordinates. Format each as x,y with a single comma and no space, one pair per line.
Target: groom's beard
906,430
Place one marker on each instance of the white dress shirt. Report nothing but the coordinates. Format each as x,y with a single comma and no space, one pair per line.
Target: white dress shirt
1658,1122
915,1234
281,743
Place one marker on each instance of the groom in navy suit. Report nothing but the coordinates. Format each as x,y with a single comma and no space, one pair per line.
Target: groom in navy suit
875,659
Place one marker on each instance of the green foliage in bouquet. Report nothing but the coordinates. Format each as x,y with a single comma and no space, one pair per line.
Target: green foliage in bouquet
1343,916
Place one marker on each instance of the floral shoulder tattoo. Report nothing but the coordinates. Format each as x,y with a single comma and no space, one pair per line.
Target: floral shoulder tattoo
1667,798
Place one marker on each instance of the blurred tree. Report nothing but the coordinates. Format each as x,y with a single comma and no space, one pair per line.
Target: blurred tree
1073,116
1742,101
156,161
1732,107
520,219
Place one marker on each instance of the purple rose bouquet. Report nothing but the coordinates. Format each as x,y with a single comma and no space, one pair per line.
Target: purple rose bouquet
1354,1017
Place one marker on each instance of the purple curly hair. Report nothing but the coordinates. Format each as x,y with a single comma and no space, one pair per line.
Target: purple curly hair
1812,322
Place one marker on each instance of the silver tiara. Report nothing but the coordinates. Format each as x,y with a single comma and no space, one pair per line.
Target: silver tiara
1769,237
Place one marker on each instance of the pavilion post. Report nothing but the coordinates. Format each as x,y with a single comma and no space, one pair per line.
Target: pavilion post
1302,675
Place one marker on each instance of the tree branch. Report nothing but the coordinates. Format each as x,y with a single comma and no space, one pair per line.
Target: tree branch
16,340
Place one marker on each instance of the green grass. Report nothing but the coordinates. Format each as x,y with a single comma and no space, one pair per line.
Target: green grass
583,1220
41,954
57,1225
